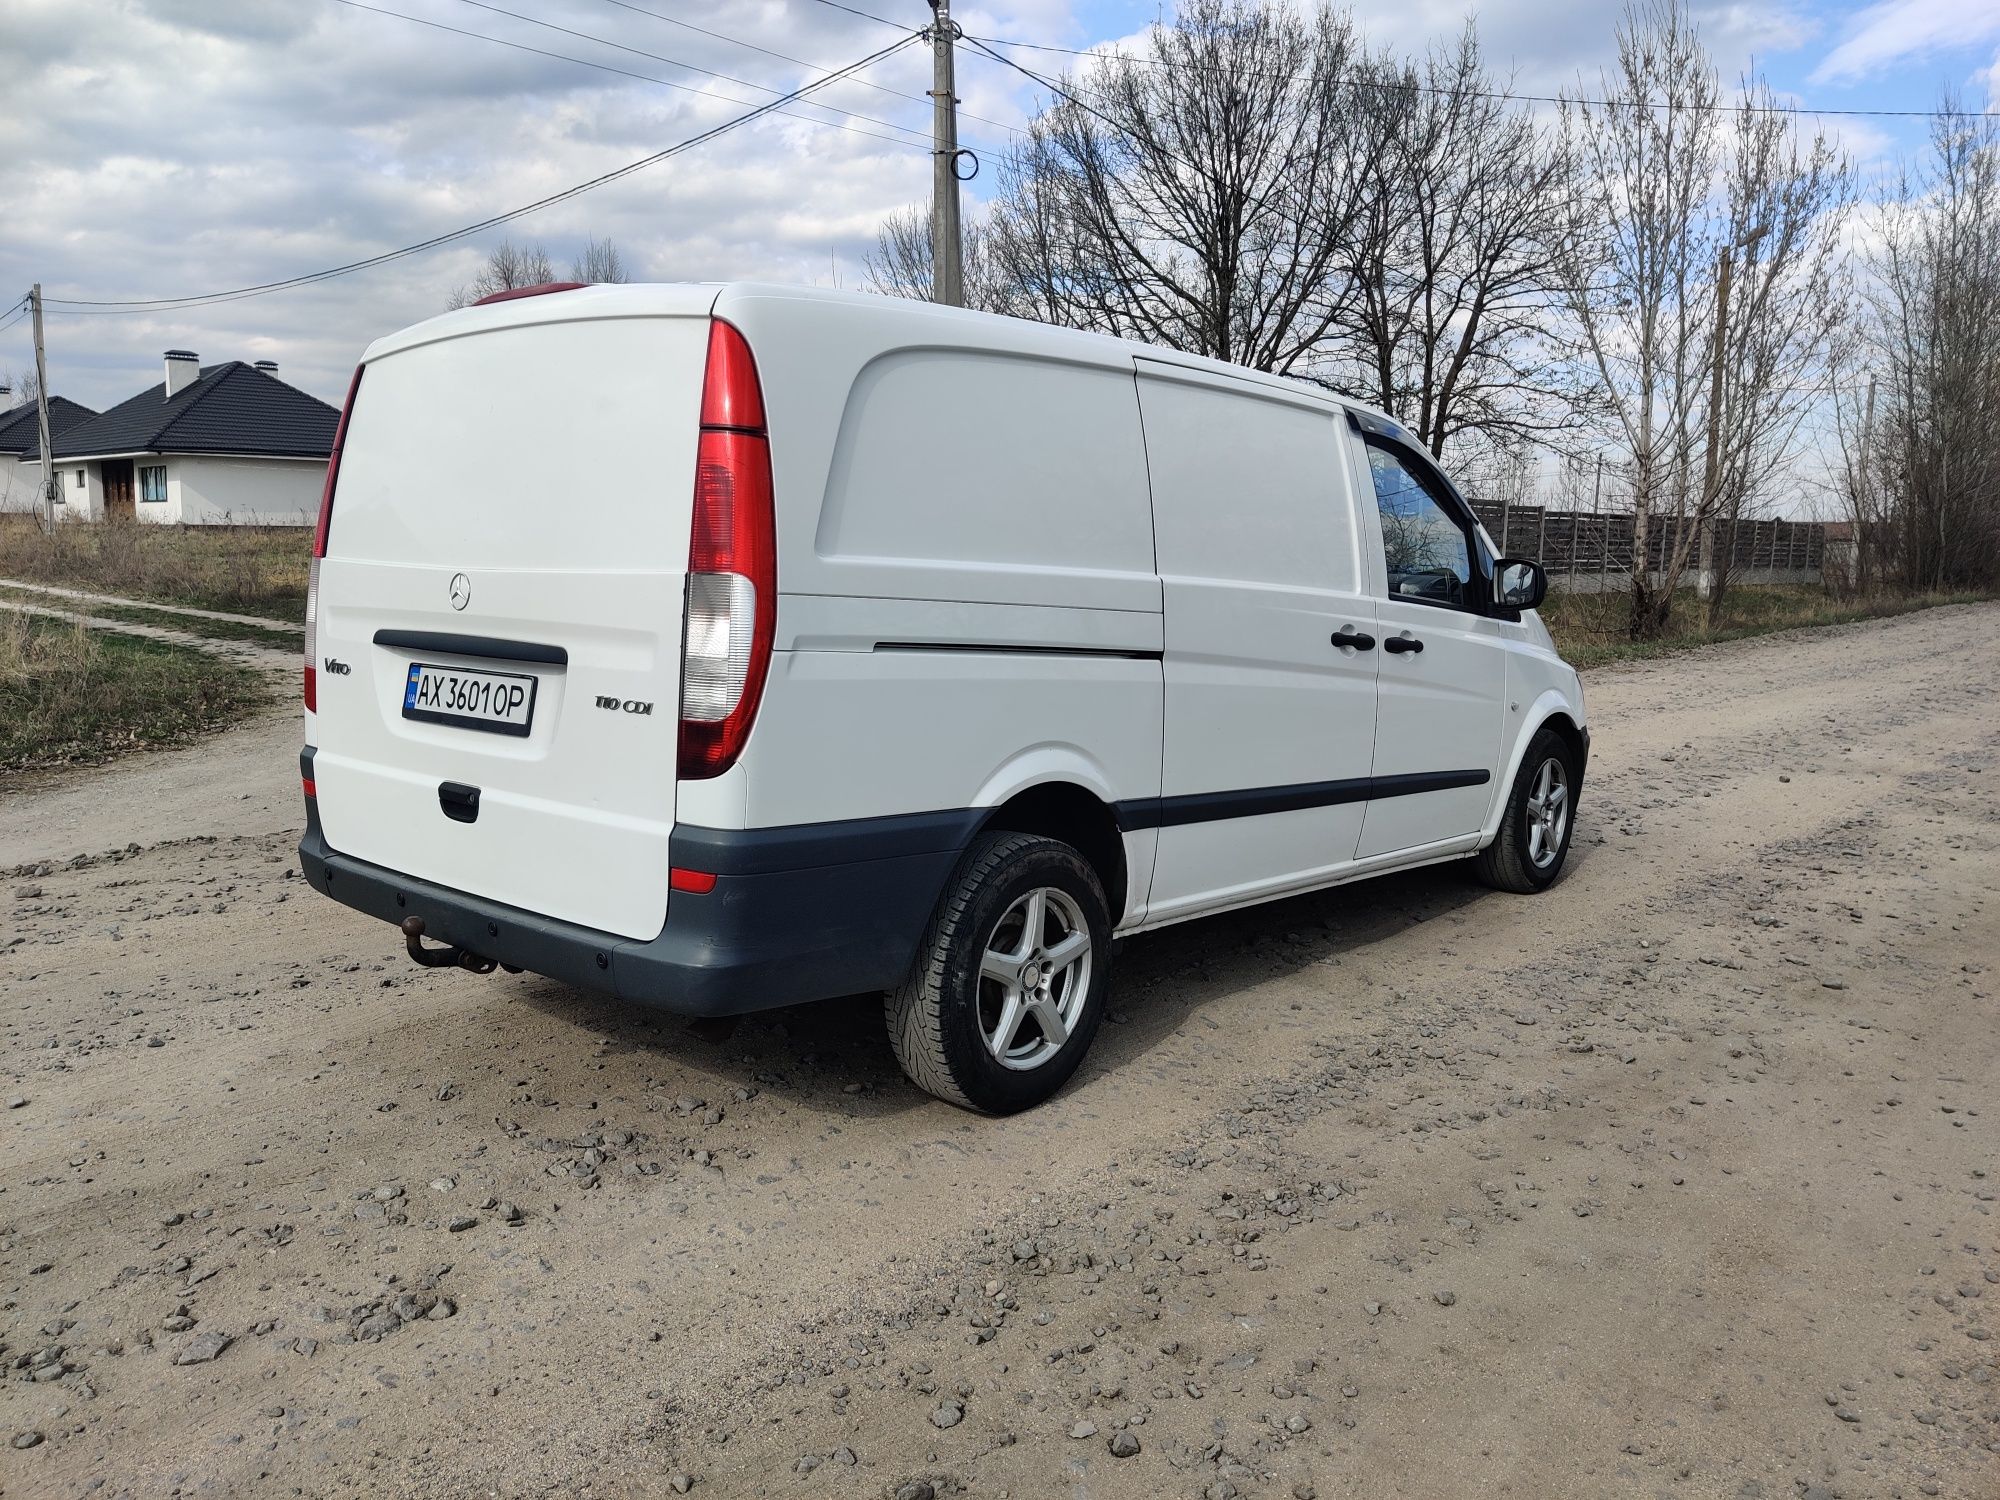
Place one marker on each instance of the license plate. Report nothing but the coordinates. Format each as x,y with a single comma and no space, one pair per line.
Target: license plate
500,702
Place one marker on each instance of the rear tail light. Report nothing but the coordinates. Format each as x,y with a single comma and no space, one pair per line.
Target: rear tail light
319,544
732,585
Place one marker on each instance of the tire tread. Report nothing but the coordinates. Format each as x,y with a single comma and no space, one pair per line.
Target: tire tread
914,1014
1504,863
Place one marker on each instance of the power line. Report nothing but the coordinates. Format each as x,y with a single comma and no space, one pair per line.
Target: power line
686,88
1082,104
1420,88
865,15
81,306
736,41
585,36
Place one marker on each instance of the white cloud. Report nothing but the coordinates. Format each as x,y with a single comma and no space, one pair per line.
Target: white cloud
1894,31
182,146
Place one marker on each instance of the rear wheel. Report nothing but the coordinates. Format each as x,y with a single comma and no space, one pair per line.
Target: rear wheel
1527,854
1008,988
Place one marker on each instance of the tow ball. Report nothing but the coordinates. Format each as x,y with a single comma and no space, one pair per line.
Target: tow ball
448,957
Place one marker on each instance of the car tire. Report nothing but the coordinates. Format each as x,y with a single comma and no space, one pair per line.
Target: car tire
995,1017
1528,853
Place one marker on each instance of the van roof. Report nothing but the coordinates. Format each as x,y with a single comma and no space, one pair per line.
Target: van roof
699,299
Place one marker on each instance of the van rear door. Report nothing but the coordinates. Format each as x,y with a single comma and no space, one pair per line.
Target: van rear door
499,611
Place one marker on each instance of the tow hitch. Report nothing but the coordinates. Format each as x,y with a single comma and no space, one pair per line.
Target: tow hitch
448,957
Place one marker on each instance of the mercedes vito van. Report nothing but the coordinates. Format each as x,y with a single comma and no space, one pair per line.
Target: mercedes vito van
727,647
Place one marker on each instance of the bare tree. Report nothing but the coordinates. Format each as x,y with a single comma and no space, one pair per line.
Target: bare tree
1670,183
509,267
1260,190
1790,314
1455,259
1202,200
599,263
1937,322
25,385
1862,562
900,264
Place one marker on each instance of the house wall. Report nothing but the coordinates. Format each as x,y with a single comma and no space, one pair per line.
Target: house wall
201,491
17,483
21,488
211,491
86,504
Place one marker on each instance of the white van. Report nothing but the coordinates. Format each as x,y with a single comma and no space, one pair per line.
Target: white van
728,647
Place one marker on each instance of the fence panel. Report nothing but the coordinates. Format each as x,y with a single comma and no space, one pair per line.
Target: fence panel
1590,544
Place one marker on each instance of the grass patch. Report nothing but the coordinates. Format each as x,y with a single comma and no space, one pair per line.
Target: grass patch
277,637
70,695
1589,629
246,570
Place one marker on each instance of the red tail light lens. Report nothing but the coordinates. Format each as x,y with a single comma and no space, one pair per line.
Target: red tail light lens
699,882
730,394
319,543
732,584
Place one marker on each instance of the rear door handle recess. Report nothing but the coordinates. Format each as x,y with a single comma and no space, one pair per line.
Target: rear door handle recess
1401,643
1347,635
459,801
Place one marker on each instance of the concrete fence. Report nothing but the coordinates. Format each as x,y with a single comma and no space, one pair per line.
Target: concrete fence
1585,551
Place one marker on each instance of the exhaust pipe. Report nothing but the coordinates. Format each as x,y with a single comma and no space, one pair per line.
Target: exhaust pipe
448,957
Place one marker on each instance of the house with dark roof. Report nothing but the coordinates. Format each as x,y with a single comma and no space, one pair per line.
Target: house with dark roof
21,445
229,444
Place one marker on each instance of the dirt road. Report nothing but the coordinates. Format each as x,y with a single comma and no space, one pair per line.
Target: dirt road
1671,1182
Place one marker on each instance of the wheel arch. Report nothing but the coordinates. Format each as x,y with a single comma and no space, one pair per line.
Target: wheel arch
1078,816
1553,711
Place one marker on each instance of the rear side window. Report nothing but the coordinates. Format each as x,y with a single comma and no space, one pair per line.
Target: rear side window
1425,544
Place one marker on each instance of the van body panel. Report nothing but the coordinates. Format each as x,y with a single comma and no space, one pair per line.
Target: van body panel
558,508
848,734
1026,484
850,622
1260,565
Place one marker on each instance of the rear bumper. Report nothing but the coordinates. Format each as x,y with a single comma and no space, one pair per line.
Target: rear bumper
795,914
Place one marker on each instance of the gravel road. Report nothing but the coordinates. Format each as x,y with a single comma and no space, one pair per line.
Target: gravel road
1674,1181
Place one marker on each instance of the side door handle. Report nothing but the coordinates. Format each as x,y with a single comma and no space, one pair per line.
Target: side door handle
1402,643
1347,635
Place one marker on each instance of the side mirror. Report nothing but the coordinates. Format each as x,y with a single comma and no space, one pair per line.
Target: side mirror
1519,584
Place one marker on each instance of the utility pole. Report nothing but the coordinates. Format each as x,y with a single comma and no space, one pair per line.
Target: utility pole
947,253
49,479
1862,513
1711,483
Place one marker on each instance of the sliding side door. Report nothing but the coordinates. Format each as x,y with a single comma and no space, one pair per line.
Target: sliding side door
1270,720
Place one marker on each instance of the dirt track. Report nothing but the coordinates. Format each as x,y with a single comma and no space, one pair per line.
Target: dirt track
1671,1182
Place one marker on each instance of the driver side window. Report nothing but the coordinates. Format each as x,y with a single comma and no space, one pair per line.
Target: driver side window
1429,557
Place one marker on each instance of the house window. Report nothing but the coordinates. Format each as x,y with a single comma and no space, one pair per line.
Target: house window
79,479
153,482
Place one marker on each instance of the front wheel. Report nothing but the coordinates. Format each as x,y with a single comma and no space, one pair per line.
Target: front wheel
1527,854
1008,987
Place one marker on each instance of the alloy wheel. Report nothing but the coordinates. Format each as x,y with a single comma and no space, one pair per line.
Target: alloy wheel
1034,975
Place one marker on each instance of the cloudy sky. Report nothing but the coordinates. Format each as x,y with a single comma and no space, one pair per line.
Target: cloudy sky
160,148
